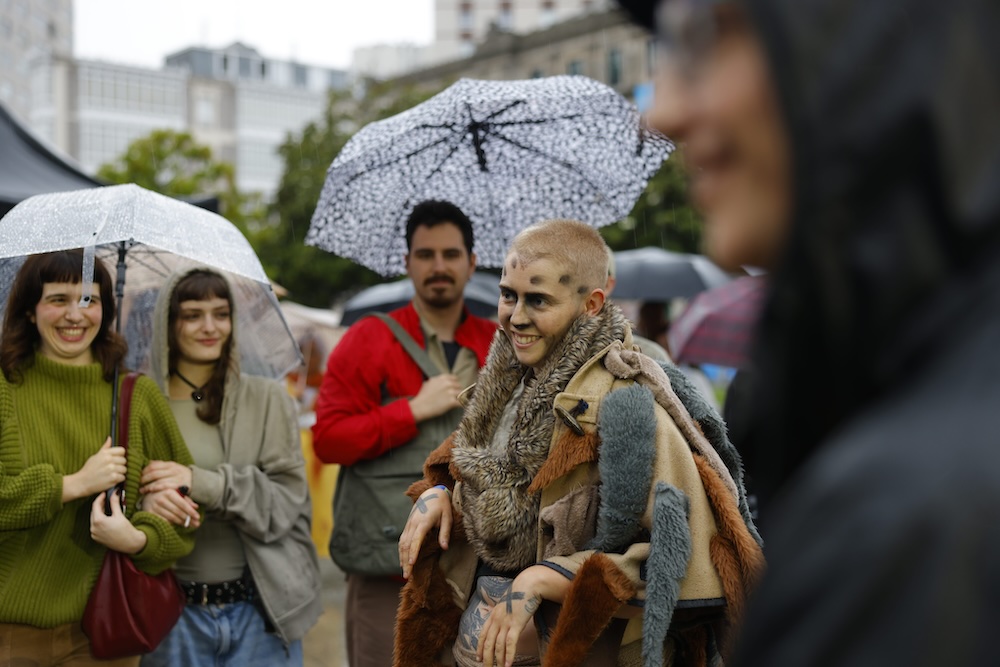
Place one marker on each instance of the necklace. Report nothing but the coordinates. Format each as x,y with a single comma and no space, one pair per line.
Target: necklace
199,392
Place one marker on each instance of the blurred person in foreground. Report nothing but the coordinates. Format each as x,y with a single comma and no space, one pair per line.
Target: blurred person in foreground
379,415
252,582
579,509
58,355
854,148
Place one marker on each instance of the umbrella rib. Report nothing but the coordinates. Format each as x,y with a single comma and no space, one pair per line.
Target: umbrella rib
552,119
437,169
401,158
496,113
562,163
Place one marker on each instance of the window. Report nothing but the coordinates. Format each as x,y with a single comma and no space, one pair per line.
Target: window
575,67
614,67
465,17
506,19
537,74
204,112
548,14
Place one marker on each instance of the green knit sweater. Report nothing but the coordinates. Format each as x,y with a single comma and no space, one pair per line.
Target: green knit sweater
50,424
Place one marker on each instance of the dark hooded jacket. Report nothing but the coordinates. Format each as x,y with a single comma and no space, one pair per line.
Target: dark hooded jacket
878,393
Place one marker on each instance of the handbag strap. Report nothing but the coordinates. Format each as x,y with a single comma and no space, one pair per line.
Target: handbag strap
125,408
124,411
417,353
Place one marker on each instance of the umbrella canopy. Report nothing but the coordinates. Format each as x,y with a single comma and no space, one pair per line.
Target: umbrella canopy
655,274
482,293
150,236
718,325
508,153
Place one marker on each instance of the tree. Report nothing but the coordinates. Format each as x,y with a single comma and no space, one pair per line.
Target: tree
313,276
663,215
174,164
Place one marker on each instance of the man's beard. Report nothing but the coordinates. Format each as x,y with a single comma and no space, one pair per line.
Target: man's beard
435,300
444,299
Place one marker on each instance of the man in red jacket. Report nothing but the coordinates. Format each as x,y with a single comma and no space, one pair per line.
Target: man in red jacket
388,398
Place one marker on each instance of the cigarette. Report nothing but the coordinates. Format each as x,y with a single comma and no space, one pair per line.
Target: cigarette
187,521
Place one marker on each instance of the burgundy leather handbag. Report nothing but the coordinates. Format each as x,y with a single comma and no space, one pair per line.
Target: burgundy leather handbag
129,612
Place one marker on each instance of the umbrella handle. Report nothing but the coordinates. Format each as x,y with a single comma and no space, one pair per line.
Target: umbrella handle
120,294
113,492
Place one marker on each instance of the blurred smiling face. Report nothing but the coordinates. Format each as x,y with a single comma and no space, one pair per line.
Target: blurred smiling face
715,98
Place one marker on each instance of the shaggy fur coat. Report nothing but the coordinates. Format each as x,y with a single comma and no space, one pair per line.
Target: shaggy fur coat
501,514
604,477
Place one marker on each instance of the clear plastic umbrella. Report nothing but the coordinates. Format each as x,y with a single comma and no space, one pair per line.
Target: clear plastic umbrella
148,236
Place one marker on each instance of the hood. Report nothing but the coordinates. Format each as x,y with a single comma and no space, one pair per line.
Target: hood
159,351
894,115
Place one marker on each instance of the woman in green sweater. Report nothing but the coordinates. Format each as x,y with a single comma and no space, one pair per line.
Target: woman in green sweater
58,355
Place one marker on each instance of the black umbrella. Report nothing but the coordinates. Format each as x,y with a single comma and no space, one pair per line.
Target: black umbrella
655,274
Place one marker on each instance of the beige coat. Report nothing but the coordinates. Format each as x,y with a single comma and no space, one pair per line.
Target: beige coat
570,484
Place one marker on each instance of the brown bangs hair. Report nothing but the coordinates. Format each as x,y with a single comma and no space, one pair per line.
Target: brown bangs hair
20,337
201,285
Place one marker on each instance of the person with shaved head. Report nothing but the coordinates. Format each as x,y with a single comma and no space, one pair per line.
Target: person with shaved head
579,509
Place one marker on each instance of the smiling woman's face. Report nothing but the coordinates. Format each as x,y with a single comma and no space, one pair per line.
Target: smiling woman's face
719,105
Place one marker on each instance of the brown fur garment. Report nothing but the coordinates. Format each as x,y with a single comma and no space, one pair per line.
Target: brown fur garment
500,511
428,619
598,590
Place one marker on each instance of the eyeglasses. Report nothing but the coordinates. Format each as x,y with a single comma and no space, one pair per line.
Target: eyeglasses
687,30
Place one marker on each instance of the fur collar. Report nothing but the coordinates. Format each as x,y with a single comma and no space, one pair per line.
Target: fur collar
499,512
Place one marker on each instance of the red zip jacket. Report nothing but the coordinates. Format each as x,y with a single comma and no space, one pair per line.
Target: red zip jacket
351,423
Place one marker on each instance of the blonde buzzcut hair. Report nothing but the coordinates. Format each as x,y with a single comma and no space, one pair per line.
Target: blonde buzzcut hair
576,246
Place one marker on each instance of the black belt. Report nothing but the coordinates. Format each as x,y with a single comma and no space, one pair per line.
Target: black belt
224,592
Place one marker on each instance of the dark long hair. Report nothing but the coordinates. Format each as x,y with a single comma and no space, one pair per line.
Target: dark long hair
201,285
20,336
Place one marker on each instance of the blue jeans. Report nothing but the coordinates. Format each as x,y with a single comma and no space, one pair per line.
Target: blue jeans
226,635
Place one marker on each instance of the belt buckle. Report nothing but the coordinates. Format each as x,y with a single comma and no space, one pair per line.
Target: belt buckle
204,594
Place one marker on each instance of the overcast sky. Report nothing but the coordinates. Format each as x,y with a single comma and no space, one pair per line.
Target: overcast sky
315,32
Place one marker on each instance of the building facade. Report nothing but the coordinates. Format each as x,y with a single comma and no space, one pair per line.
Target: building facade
465,23
30,29
461,26
233,100
603,45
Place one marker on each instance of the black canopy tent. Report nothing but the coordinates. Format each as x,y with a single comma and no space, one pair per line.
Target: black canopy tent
28,167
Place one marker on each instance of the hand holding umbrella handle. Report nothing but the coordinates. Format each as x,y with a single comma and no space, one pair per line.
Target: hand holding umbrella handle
114,491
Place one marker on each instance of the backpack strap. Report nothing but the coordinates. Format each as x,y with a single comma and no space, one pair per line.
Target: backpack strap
417,353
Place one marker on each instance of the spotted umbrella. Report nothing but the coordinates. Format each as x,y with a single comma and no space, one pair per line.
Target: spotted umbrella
508,153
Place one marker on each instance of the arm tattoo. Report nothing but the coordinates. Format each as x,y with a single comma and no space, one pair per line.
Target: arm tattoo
472,627
510,597
532,605
421,503
493,588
